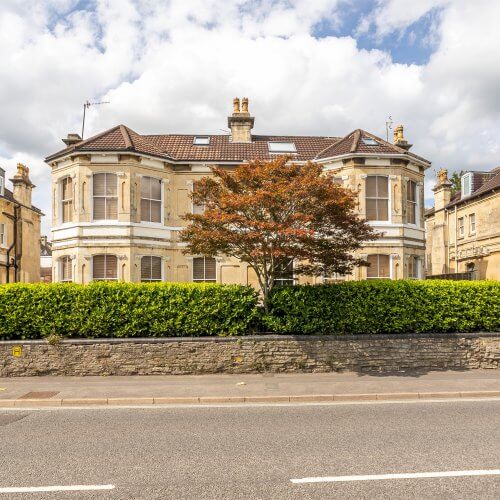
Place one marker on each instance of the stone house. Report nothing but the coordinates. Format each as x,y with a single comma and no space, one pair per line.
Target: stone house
118,199
19,230
463,230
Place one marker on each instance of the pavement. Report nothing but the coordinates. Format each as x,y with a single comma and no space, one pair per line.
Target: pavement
388,450
258,388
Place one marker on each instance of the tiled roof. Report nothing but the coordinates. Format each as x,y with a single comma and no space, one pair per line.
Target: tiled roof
220,148
355,143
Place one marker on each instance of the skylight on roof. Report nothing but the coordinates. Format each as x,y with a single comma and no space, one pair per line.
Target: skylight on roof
282,147
368,141
201,141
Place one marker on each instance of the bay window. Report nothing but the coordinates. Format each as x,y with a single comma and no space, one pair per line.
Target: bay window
105,268
379,267
377,198
151,202
151,268
105,194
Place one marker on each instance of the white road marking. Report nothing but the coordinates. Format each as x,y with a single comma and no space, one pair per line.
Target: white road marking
410,475
47,489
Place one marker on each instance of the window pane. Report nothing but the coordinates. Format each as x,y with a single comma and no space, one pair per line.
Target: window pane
99,208
156,268
209,268
371,186
371,209
98,263
111,267
146,187
99,184
155,211
111,208
67,209
198,269
372,270
383,266
383,209
145,210
382,187
145,268
411,212
111,182
155,189
411,188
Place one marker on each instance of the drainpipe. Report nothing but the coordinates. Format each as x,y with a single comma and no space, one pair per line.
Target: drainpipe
456,238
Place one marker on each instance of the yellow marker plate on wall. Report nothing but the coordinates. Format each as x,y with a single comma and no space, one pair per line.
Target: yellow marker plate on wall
17,351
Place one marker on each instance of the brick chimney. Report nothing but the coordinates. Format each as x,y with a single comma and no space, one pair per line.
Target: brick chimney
72,139
442,190
22,185
240,122
399,138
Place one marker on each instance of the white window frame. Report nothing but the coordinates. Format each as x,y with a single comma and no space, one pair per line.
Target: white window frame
204,269
92,196
466,180
60,268
472,224
162,202
286,281
3,234
289,150
389,201
104,279
461,227
390,277
61,201
201,138
162,278
415,203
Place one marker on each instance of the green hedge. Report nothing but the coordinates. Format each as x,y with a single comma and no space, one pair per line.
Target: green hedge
386,307
191,310
125,310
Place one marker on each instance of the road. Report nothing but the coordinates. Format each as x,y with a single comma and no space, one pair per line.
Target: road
253,451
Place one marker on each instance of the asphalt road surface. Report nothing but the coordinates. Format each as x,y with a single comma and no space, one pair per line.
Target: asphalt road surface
254,451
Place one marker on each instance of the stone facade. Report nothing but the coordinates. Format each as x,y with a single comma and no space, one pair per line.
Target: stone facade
19,230
78,237
463,232
284,354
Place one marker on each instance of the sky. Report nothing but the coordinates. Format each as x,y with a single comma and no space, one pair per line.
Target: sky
308,67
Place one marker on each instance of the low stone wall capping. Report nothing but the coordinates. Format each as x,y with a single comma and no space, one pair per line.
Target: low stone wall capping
251,354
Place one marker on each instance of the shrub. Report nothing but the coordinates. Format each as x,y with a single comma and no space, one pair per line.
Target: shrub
386,307
29,311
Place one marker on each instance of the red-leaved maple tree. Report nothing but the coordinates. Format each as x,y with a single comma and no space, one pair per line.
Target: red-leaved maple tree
272,213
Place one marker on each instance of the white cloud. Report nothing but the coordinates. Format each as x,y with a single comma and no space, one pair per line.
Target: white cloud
175,66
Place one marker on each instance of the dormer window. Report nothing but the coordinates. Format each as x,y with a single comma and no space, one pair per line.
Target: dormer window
201,141
466,185
282,147
368,141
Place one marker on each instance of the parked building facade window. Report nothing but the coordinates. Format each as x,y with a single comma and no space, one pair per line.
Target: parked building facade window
65,269
105,195
151,268
197,208
379,267
461,227
104,268
377,198
413,267
411,202
472,223
204,269
3,235
284,273
66,199
151,200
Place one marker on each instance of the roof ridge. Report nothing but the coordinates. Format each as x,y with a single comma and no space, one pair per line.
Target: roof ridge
126,136
355,140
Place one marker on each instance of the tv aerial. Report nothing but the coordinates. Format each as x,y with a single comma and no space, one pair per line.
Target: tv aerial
388,126
87,105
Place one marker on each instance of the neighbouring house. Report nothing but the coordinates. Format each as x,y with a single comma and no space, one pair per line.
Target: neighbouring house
119,197
45,260
19,230
463,230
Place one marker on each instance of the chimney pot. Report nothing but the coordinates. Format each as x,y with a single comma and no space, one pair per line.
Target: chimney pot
244,105
236,105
